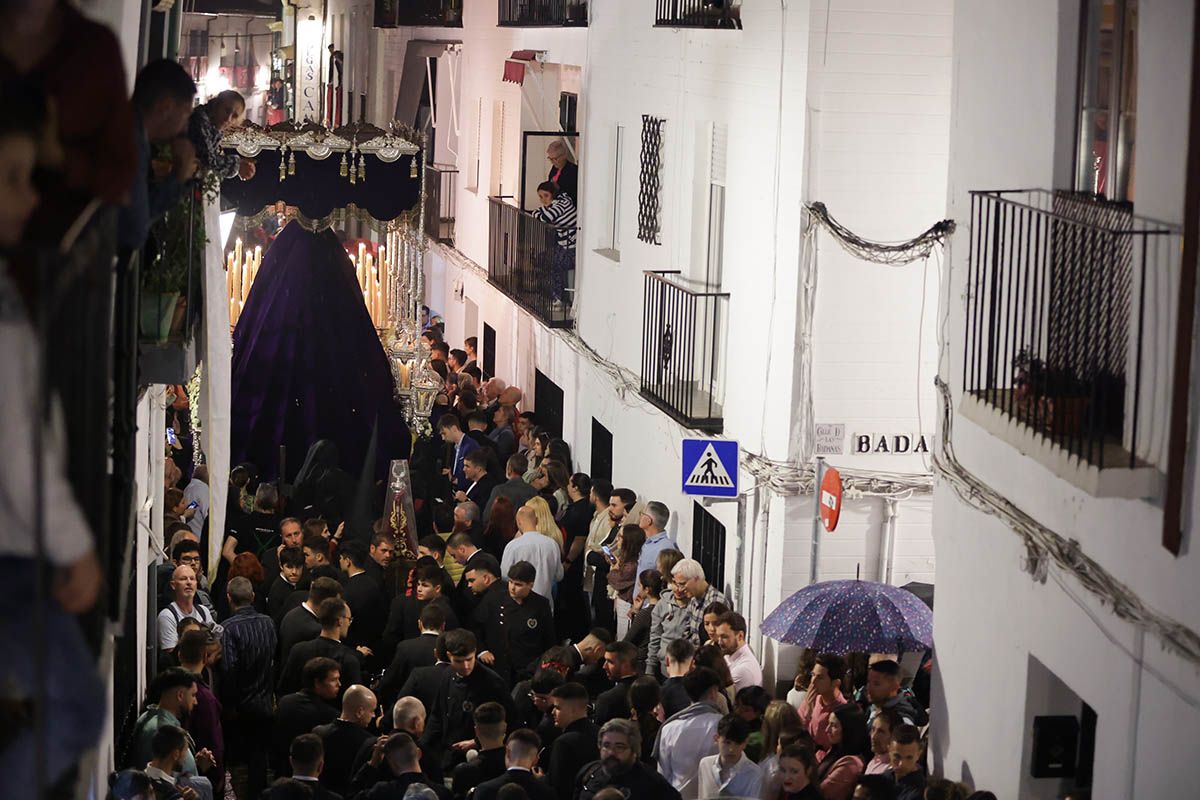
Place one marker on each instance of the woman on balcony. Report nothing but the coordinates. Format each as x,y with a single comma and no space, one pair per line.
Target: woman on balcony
558,209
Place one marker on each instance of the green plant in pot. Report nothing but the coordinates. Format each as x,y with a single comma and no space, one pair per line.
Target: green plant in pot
180,235
1053,399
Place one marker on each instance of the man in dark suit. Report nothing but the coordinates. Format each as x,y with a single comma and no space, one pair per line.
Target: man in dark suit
334,616
343,738
306,709
479,483
503,434
490,592
307,757
291,571
463,549
620,664
380,556
402,756
520,756
490,724
586,660
404,615
413,653
425,682
521,629
469,684
576,742
300,624
363,594
514,488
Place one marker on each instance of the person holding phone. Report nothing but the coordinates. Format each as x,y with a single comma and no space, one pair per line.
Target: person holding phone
622,557
196,497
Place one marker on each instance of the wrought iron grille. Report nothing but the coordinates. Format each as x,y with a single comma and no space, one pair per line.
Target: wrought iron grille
650,180
683,343
1058,318
708,545
433,13
543,13
698,14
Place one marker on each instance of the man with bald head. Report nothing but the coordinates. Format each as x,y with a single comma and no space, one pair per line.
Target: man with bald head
183,590
538,549
370,766
345,736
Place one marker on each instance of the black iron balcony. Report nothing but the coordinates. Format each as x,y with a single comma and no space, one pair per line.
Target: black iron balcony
543,13
698,14
527,262
683,350
1066,314
441,181
431,13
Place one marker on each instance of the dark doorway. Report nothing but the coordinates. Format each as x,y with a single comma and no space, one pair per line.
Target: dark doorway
602,444
708,545
489,350
548,403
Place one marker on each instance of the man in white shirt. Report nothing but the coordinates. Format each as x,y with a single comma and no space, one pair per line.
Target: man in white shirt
197,492
730,636
730,773
690,735
183,587
536,548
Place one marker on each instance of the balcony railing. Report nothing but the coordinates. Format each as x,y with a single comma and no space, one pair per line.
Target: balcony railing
431,13
543,13
683,350
526,263
1067,323
698,14
441,182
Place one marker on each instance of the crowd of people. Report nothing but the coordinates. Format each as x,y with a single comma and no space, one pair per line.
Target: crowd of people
547,639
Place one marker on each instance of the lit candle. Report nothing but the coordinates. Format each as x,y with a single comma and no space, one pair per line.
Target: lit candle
237,252
257,259
247,279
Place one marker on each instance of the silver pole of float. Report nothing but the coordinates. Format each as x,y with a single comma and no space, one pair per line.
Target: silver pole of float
815,556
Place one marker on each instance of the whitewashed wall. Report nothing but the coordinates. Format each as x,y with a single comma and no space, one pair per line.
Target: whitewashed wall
823,110
991,617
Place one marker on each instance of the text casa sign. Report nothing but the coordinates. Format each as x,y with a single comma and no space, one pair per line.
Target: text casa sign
895,444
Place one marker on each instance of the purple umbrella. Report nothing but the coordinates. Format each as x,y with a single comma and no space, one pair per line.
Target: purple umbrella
852,617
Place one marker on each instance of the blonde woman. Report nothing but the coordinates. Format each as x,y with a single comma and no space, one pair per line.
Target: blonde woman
545,520
780,718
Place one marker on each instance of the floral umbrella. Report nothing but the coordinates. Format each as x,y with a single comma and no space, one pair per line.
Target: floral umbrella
852,616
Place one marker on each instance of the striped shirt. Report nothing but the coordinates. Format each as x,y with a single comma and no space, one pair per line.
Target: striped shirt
561,214
247,660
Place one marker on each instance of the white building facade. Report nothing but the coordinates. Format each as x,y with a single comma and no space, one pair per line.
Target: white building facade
1063,606
806,102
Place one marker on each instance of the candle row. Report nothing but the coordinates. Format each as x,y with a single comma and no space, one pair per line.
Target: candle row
241,268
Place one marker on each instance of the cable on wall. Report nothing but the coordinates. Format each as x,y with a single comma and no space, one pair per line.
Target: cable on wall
1047,549
891,254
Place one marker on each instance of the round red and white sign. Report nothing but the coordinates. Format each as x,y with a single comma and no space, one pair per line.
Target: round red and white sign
831,498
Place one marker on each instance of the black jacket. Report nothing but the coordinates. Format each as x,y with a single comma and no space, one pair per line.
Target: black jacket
519,634
395,789
298,625
574,748
536,788
319,791
481,492
464,600
451,718
277,597
410,654
291,676
296,714
368,605
488,765
402,619
674,697
639,781
424,683
614,703
342,741
486,616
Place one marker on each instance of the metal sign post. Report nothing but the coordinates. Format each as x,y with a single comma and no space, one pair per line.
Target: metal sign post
815,556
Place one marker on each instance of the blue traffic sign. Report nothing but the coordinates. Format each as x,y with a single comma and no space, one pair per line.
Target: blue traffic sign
710,467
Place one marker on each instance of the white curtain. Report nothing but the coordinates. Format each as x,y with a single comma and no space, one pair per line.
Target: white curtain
216,355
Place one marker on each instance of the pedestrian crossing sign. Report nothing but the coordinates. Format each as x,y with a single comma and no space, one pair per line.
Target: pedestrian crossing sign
710,467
